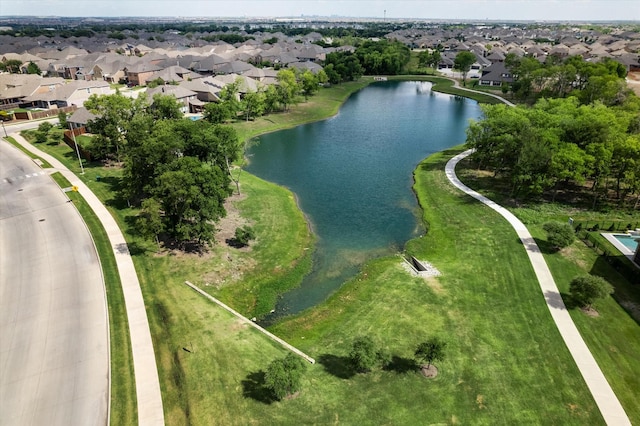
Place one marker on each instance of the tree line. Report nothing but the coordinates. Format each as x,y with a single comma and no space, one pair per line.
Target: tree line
554,78
559,144
176,169
179,171
370,58
291,84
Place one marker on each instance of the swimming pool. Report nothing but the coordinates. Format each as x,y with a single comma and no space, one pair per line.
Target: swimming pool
627,241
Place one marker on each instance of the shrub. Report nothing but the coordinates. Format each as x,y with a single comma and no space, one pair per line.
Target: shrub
284,376
559,235
585,289
244,234
364,355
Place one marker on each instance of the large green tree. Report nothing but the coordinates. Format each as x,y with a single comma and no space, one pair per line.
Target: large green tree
463,62
365,355
192,196
288,88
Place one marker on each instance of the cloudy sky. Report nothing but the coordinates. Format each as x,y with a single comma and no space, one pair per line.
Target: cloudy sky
429,9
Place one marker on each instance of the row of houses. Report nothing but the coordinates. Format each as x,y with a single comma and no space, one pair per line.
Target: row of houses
201,69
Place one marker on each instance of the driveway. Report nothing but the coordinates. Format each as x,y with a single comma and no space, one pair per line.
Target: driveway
54,349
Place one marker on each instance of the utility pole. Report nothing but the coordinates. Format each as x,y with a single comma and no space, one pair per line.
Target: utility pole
77,150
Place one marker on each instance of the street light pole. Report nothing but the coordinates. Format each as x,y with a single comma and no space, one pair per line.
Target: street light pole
4,128
77,150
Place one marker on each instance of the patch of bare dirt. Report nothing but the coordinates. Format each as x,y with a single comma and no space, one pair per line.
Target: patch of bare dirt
429,372
228,224
480,402
590,312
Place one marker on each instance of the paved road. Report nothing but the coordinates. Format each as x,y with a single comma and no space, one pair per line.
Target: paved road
607,402
54,359
148,392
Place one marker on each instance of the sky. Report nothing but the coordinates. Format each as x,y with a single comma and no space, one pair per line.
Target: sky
545,10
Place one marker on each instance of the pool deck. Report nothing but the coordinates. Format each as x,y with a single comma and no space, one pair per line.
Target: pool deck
617,244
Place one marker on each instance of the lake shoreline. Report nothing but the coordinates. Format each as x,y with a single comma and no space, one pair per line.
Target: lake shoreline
296,187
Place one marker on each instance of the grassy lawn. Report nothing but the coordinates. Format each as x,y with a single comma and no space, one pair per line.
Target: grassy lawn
614,336
326,103
123,387
505,359
505,363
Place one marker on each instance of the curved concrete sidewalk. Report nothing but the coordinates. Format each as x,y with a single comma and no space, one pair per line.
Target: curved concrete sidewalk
607,402
457,84
149,398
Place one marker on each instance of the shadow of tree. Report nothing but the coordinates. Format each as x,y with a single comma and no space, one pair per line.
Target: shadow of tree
339,366
115,186
401,365
557,300
253,386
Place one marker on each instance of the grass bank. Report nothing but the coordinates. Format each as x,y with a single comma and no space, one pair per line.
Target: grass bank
123,387
505,359
613,336
326,103
446,85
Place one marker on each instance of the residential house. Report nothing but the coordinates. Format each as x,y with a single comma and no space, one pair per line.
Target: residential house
495,75
14,88
73,93
187,98
138,74
207,89
173,74
80,118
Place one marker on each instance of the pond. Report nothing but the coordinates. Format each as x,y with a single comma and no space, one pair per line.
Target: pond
352,175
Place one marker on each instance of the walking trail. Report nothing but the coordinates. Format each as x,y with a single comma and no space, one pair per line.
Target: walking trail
607,402
150,411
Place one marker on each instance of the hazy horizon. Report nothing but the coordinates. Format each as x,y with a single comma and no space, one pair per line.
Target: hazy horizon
491,10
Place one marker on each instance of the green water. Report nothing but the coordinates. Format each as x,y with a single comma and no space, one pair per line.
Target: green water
352,175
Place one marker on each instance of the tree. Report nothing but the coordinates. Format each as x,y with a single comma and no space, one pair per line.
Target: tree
115,118
191,194
42,133
586,289
463,62
217,113
33,68
309,83
253,104
559,234
62,120
230,97
284,376
165,107
287,88
150,219
364,355
430,350
11,66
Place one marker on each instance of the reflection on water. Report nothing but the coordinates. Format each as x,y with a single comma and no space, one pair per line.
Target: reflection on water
352,175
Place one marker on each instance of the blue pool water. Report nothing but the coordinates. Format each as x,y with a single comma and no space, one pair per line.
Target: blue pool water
627,241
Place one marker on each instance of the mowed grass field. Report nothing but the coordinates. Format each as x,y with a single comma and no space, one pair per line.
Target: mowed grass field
505,361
